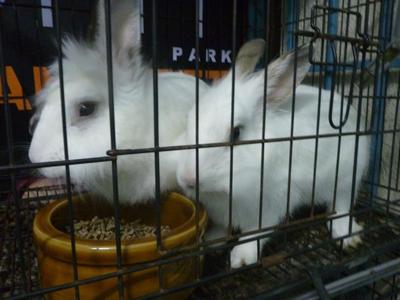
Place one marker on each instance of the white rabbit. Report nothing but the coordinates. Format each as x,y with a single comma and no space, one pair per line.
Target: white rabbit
214,163
87,113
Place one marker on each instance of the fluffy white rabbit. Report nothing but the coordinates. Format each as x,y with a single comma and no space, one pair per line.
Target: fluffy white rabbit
87,113
214,163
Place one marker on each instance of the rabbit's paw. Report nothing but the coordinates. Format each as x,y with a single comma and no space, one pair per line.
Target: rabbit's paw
244,254
352,241
355,239
340,228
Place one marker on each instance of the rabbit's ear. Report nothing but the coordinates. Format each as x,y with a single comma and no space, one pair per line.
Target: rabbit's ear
125,27
281,74
248,56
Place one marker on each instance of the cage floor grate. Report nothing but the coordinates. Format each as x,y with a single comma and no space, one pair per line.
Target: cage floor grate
287,256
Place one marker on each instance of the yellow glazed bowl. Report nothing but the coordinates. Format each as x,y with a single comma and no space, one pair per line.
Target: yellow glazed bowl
99,257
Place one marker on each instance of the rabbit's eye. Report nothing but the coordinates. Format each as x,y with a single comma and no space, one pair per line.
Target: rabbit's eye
235,134
86,108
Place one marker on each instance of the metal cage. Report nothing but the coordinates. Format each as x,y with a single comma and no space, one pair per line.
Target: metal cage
353,46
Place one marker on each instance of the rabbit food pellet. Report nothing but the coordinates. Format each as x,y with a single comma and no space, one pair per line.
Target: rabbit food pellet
104,229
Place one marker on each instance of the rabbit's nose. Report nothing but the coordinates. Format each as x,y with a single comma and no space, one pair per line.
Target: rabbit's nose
189,181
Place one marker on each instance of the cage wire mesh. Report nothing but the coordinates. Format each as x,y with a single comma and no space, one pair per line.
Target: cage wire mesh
352,46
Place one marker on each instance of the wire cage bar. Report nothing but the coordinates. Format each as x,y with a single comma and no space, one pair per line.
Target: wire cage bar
353,69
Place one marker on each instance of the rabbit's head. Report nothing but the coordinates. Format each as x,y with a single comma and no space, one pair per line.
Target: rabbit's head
215,118
81,78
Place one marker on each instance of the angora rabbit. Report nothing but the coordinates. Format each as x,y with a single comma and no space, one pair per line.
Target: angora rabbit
214,163
87,113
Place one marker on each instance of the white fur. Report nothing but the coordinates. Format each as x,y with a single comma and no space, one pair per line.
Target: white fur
85,78
214,126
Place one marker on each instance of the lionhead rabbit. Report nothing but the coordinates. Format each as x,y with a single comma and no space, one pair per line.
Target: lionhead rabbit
214,163
87,113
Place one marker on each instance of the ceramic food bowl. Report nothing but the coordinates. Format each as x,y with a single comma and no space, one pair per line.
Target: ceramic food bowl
99,257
